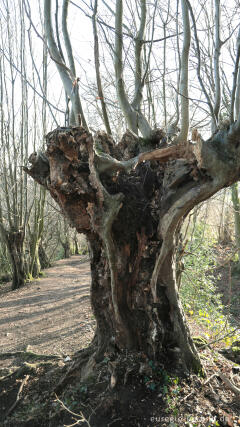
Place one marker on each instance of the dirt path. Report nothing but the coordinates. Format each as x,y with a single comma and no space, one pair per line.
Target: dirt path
50,315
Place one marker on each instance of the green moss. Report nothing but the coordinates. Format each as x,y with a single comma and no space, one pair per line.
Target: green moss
236,351
200,341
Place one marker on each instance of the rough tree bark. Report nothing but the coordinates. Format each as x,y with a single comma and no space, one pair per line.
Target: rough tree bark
15,242
130,199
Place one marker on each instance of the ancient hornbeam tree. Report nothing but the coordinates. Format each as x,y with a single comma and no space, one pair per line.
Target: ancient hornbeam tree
130,205
130,198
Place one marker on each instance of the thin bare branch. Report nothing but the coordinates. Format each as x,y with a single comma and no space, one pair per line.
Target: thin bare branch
183,135
97,67
235,87
199,66
29,83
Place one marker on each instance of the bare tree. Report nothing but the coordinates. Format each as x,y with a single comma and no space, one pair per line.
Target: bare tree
23,116
14,210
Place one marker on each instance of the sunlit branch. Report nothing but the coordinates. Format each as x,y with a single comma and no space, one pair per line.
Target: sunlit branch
182,137
69,80
236,83
97,67
77,106
217,52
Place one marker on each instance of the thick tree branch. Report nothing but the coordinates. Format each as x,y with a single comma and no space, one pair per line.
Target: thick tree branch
135,119
217,52
67,41
237,100
138,57
97,68
125,105
77,105
182,137
68,78
236,84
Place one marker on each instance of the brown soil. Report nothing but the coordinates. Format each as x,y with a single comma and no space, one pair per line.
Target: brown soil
53,316
48,316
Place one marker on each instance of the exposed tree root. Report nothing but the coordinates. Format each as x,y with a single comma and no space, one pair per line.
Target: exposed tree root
74,369
23,383
80,417
27,355
229,384
204,384
25,369
223,377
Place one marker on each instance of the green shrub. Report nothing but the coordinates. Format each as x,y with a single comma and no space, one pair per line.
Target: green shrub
200,297
198,288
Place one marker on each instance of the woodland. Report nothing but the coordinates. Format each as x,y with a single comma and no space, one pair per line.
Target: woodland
120,140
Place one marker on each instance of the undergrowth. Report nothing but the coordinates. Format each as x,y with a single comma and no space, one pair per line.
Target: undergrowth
199,294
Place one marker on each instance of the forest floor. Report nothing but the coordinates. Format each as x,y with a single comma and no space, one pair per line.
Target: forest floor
43,328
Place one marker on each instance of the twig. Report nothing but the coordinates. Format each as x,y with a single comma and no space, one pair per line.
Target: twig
30,84
209,379
112,422
81,416
205,383
229,334
188,395
24,381
73,367
227,260
226,381
229,384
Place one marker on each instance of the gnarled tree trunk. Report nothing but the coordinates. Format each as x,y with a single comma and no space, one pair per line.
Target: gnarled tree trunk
129,199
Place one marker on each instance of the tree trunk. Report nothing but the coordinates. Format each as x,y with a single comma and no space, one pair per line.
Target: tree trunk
34,264
130,204
66,249
43,258
14,240
65,241
76,246
236,207
67,252
133,317
36,268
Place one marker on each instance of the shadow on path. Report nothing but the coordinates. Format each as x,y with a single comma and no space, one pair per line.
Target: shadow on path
52,314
